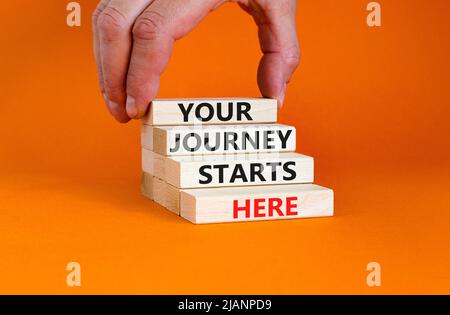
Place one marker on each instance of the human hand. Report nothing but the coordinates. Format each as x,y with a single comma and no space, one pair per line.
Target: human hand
133,41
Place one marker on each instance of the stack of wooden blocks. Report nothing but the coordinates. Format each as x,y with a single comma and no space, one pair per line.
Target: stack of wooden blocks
227,160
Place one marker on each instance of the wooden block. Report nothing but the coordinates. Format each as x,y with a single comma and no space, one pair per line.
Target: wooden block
153,163
249,203
211,111
214,205
217,139
198,171
167,195
147,185
161,192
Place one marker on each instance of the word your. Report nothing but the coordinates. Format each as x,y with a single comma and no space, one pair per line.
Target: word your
205,111
266,207
230,140
239,173
74,17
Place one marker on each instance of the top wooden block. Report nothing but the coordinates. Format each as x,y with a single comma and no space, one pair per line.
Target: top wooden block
193,111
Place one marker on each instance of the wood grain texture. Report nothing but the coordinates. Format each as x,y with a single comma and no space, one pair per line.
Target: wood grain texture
161,192
200,171
147,185
218,139
211,111
215,205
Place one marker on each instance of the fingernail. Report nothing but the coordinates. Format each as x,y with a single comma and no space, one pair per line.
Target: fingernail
282,96
132,109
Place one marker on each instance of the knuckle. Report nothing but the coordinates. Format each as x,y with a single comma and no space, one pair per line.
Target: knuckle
98,10
111,23
292,56
148,26
95,16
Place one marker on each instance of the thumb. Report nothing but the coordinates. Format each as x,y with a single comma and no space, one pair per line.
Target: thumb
278,40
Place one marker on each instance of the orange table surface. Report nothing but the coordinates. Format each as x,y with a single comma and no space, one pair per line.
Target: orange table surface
371,105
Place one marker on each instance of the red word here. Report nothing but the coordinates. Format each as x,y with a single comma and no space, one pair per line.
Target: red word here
266,208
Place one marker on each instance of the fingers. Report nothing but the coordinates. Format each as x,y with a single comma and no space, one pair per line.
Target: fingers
111,105
154,34
113,32
100,7
133,41
278,39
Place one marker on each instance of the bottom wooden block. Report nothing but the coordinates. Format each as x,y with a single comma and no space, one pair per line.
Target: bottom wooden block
214,205
233,204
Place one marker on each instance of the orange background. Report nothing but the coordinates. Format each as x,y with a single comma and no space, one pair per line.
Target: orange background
372,105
